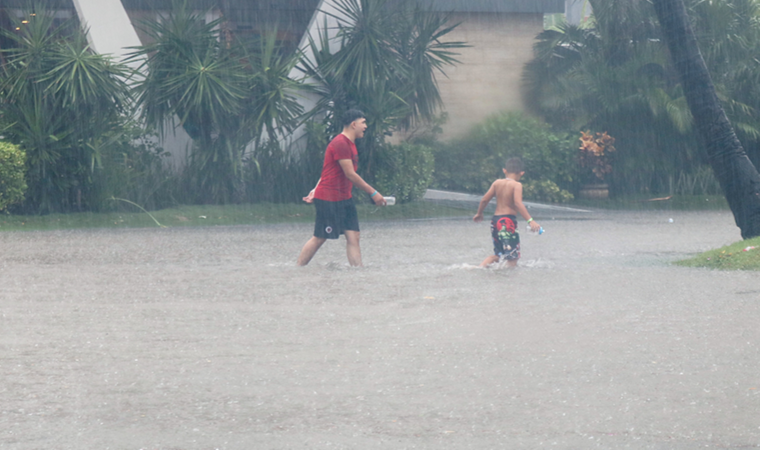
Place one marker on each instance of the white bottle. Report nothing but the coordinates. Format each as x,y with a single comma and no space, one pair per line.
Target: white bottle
540,230
390,200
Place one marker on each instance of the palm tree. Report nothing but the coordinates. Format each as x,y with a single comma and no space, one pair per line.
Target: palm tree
729,39
386,66
224,94
615,76
737,175
63,103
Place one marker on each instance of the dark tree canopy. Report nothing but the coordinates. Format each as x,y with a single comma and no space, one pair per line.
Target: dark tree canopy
737,175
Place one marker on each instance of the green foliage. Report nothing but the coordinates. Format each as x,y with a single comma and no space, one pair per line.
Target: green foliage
389,53
227,96
274,175
134,167
742,255
12,182
547,191
616,76
472,163
63,104
405,171
217,215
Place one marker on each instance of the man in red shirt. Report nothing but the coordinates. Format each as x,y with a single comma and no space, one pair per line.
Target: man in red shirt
336,212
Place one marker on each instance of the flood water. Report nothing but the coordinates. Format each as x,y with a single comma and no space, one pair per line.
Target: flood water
212,338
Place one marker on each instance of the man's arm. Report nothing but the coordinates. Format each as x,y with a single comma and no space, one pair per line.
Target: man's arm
520,207
348,169
310,198
484,202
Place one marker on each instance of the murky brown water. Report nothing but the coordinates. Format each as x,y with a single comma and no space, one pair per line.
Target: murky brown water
212,338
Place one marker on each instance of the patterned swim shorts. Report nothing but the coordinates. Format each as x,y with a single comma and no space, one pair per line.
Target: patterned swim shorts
506,239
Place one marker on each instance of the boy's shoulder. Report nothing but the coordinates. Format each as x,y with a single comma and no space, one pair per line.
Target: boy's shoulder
506,182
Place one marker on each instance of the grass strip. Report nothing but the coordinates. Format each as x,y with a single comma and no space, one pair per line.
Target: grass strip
742,255
217,215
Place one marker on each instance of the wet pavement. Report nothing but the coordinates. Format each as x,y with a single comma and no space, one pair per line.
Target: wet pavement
211,338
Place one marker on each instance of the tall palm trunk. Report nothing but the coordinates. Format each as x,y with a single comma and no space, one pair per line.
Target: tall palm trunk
737,176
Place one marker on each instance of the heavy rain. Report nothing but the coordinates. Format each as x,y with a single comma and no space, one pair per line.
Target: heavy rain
231,224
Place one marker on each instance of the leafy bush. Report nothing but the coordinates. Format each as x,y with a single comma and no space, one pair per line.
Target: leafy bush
546,190
62,104
229,96
274,175
12,182
133,168
405,171
472,163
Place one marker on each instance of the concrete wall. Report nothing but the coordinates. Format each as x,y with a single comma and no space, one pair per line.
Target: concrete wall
489,78
109,29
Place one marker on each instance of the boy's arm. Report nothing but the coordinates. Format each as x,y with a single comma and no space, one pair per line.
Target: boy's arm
520,207
348,169
484,202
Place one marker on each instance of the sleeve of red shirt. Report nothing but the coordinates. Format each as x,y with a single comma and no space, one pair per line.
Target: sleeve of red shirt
342,150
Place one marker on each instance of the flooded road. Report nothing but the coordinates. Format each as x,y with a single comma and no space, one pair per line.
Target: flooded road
212,338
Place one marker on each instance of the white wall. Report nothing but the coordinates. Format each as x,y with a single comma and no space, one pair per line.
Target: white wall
110,31
577,11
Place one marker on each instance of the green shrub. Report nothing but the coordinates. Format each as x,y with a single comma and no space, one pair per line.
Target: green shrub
472,163
133,167
545,190
405,171
12,181
276,175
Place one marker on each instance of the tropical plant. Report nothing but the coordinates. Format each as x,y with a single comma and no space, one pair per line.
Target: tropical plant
63,104
136,168
277,175
595,154
470,164
12,182
405,171
737,175
388,56
615,75
226,96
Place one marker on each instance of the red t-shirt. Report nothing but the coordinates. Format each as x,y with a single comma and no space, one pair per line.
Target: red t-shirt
334,186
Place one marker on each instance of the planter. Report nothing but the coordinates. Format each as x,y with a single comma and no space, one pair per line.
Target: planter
594,191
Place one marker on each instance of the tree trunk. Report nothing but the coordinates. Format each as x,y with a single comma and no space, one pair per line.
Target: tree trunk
736,174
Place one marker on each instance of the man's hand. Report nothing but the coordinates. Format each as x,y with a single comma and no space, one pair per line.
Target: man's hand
309,198
379,200
478,217
534,226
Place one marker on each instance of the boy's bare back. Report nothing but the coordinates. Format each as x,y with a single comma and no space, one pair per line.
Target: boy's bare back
504,191
508,193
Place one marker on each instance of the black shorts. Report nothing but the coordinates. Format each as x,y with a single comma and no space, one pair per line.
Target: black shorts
506,239
333,218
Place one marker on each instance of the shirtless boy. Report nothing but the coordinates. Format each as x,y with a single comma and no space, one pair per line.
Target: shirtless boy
508,193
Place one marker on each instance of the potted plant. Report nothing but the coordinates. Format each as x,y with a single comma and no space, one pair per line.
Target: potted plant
595,162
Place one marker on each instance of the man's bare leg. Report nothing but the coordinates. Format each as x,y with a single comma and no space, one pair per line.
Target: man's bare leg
353,251
309,250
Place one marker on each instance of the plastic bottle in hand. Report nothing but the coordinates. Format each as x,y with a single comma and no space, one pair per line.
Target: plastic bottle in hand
390,200
540,230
